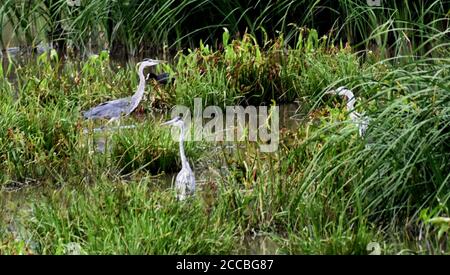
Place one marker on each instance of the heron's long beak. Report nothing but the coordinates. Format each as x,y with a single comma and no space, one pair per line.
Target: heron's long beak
171,121
154,60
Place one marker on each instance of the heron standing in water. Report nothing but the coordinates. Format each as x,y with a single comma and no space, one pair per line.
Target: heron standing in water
357,118
185,181
114,109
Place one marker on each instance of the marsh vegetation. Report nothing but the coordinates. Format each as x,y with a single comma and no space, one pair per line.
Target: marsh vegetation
325,190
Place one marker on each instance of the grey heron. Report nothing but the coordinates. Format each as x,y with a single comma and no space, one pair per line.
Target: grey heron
124,106
357,118
185,180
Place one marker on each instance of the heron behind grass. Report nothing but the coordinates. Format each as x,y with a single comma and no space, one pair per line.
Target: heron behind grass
185,181
357,118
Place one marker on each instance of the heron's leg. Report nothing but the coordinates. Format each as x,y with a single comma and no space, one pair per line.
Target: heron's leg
117,122
107,137
113,119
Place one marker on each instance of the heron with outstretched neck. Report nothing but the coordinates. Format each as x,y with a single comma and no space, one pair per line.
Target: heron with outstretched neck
114,109
359,119
185,180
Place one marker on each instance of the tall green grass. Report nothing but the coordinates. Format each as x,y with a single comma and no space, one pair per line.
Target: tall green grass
128,219
325,191
43,139
247,72
136,28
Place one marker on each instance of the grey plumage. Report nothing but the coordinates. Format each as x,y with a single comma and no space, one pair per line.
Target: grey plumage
185,180
124,106
109,109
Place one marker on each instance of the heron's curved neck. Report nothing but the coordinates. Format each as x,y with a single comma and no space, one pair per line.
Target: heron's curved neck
184,162
351,105
140,91
350,100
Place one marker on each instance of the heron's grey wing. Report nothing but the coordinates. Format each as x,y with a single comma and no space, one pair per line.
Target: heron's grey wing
109,109
185,184
191,186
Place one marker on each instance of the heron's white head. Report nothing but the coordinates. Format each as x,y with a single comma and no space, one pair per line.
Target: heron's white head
177,121
149,63
342,91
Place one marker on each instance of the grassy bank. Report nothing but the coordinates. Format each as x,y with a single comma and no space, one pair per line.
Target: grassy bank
325,191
